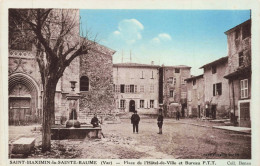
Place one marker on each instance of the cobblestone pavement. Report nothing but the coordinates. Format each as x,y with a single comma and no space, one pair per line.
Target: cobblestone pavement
179,140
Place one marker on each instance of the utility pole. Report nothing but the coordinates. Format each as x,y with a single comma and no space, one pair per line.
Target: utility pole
122,56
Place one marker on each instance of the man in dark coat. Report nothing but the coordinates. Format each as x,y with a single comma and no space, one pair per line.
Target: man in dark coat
95,121
178,115
160,121
135,121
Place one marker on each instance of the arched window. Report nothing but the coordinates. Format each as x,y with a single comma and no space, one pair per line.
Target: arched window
84,83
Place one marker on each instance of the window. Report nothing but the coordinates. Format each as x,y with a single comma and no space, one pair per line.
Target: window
189,95
122,103
142,75
132,88
198,95
177,70
183,95
183,82
175,81
127,88
214,69
84,83
217,89
237,34
142,88
152,75
151,88
240,58
194,82
171,93
246,31
141,103
244,88
117,88
151,103
170,80
122,88
135,88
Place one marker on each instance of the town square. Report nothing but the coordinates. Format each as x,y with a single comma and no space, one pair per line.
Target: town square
129,84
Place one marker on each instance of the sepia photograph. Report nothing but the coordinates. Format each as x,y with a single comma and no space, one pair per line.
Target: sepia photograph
129,83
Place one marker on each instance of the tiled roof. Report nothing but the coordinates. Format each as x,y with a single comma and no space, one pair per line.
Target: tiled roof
98,47
232,29
194,77
246,71
216,62
177,66
135,65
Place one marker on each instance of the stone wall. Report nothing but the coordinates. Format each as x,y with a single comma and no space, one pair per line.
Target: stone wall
173,81
196,97
97,66
236,44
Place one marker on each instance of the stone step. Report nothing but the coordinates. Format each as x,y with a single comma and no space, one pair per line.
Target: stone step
23,145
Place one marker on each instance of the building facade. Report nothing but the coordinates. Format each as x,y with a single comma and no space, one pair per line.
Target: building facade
136,87
239,72
173,89
217,104
195,98
25,87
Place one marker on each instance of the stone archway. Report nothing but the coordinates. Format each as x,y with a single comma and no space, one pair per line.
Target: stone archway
23,99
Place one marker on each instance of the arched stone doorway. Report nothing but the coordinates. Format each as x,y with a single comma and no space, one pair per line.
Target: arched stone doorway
23,100
131,106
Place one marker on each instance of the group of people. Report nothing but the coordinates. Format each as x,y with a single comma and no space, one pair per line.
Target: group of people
135,119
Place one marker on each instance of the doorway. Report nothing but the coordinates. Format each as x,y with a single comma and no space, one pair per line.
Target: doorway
213,111
131,106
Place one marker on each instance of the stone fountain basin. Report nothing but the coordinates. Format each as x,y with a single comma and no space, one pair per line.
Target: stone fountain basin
60,132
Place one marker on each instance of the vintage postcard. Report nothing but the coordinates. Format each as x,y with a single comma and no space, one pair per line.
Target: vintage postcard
130,83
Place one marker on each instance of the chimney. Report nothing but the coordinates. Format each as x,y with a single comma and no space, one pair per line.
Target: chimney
152,62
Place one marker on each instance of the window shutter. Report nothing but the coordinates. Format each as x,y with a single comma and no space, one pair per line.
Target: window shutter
220,88
145,103
214,90
137,103
155,103
148,103
118,103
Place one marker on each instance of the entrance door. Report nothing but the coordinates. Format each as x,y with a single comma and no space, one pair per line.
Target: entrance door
213,111
19,111
131,106
245,115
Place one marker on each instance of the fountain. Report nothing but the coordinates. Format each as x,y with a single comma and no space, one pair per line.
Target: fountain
73,98
73,129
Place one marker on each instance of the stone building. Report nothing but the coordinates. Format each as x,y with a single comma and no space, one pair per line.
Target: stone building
195,99
173,89
92,72
136,87
216,89
239,72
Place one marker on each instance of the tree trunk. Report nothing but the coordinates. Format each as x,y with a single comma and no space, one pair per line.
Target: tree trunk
48,111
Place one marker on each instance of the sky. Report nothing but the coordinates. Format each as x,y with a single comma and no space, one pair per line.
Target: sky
169,37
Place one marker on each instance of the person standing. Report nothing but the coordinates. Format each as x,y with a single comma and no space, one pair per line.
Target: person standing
178,115
135,121
160,121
